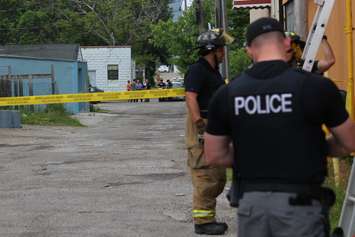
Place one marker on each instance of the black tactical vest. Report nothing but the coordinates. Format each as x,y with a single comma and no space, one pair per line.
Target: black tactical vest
274,143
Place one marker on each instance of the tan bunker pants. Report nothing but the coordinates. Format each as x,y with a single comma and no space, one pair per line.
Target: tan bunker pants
208,182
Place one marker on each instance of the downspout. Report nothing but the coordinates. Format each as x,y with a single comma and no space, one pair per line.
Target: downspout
350,56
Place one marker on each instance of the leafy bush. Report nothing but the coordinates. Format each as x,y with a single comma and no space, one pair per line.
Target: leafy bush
239,61
56,108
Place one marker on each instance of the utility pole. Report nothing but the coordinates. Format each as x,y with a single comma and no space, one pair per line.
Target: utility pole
221,22
200,16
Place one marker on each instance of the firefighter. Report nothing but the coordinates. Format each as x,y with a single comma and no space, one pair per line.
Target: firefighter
201,82
273,114
294,54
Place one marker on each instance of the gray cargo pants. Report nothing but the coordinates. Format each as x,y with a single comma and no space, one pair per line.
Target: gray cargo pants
269,214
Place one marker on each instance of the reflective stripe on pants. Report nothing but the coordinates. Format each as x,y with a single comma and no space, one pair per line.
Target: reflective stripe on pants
203,213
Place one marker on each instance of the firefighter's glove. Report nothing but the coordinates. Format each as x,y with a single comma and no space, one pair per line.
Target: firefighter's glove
201,128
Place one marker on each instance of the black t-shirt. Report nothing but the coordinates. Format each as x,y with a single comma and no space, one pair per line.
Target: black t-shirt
204,80
161,85
147,86
322,101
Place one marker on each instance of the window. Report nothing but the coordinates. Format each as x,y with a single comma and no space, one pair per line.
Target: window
112,72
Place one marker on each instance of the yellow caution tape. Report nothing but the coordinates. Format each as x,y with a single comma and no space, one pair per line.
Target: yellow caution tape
90,97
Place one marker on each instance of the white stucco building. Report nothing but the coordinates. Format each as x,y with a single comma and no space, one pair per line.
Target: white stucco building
109,67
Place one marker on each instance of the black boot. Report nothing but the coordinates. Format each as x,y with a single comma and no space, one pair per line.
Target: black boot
214,228
338,232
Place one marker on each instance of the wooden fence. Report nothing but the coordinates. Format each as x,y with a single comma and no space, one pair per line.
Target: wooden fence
12,85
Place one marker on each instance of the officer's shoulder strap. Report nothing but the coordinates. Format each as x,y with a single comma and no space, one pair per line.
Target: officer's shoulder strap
230,104
236,176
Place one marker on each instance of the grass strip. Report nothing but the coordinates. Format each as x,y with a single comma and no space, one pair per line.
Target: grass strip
53,115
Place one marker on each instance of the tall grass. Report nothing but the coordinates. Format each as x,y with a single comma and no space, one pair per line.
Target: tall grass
53,115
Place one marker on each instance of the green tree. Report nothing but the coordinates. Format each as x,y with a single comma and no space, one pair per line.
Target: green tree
238,20
239,61
34,21
179,38
86,22
10,10
146,25
127,23
34,27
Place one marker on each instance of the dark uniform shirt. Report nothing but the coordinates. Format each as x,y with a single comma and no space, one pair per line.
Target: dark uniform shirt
204,80
285,130
321,99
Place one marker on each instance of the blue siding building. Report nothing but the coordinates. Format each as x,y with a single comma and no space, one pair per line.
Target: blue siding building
63,61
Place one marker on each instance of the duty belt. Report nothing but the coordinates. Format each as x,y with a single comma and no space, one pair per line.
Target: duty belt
277,187
305,193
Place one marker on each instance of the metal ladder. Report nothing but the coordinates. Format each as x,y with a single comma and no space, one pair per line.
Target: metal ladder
320,21
347,217
315,36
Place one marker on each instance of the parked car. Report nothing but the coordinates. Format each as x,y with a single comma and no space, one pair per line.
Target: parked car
163,68
178,84
175,85
94,89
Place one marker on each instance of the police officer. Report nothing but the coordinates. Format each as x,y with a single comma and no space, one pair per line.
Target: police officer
201,81
273,115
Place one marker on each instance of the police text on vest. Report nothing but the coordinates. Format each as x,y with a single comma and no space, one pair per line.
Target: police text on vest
264,104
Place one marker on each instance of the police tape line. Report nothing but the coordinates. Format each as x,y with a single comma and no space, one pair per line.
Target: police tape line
91,97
